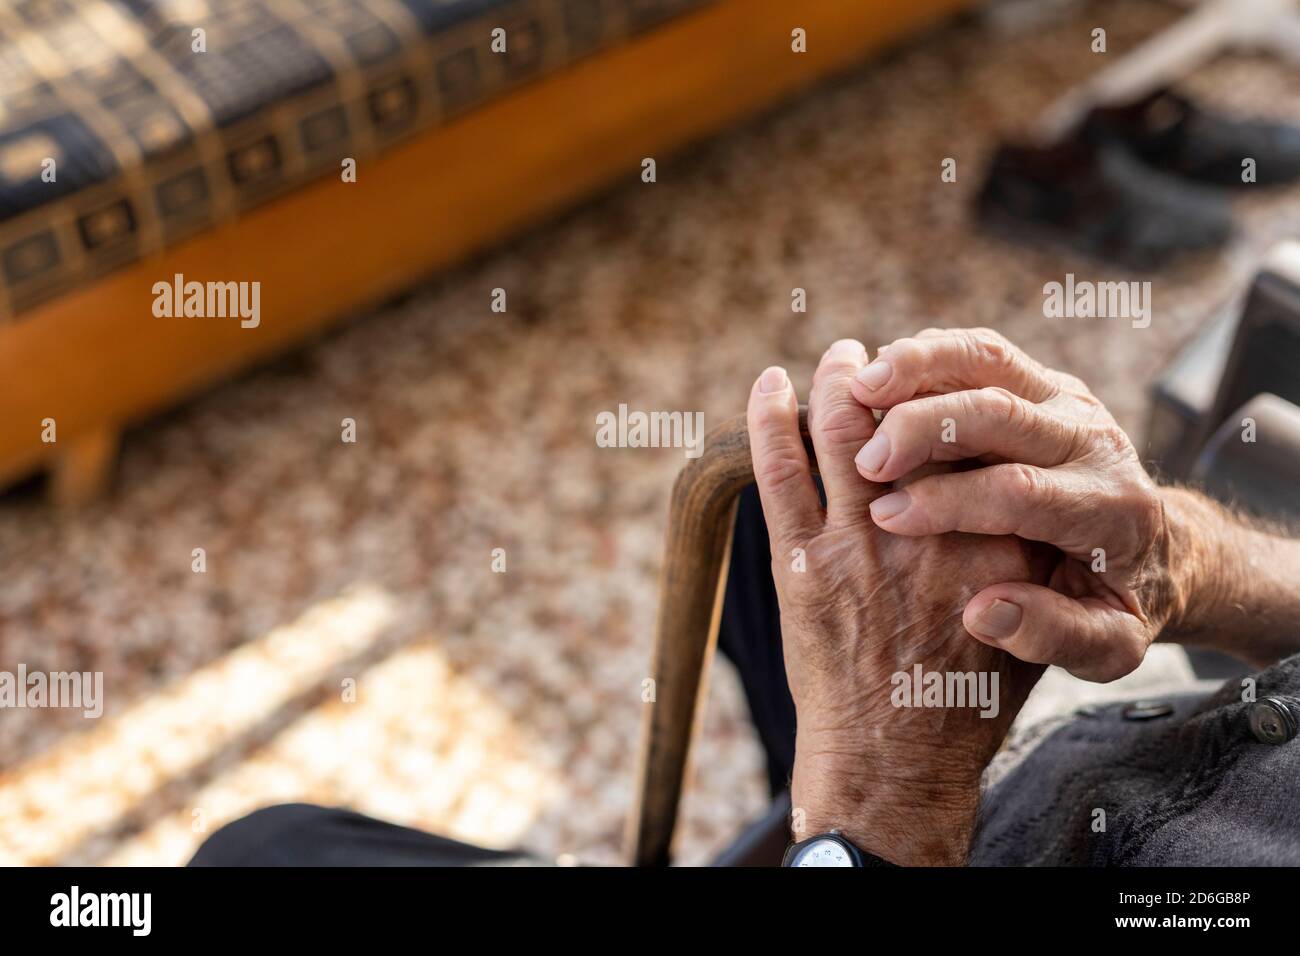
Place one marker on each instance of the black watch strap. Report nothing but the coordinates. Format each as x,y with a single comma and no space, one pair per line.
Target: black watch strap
860,857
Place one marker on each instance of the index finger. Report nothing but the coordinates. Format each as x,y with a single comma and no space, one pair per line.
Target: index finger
952,360
791,505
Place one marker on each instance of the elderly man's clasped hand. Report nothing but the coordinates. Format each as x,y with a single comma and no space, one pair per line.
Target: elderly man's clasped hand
995,520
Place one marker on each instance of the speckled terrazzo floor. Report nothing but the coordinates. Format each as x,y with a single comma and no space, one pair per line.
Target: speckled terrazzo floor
504,707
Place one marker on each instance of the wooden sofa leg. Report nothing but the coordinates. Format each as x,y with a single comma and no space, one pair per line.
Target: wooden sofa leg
696,556
81,471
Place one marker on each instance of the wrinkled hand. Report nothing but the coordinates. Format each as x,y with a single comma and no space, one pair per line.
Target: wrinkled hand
1057,469
859,606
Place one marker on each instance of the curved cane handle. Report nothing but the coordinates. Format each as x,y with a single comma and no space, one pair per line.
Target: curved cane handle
692,582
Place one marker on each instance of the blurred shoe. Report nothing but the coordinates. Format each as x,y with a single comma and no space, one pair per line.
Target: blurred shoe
1170,132
1098,199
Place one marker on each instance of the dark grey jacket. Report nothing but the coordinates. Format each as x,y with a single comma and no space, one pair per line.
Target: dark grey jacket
1196,787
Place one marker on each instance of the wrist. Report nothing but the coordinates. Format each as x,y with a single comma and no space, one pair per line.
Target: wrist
1185,552
1232,584
908,808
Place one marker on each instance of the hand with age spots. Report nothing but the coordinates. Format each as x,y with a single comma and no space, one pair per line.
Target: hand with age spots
1056,469
901,782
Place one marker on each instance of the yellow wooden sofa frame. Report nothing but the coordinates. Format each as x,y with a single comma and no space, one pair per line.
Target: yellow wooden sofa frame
96,360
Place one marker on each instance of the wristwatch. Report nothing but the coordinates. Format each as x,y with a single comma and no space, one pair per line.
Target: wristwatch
829,849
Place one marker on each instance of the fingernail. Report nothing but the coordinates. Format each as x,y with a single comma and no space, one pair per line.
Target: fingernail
847,348
885,508
873,453
1000,619
876,374
773,380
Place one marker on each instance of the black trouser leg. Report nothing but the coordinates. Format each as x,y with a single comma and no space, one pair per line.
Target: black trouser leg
299,834
750,636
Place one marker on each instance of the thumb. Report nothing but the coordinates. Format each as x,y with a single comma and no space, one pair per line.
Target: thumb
1087,637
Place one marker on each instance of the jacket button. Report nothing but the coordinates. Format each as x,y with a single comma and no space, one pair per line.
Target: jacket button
1147,710
1274,720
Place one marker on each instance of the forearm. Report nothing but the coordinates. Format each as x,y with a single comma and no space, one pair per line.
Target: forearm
1234,587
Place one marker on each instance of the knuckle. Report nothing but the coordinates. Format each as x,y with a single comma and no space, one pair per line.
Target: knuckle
1075,439
1116,440
1088,408
1003,408
1003,496
904,418
779,467
990,349
1105,438
1024,481
842,422
906,355
983,333
813,590
794,586
822,553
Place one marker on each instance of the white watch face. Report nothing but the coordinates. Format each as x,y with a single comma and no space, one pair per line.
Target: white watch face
823,853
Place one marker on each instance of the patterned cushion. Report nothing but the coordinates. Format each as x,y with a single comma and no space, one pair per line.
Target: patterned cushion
124,129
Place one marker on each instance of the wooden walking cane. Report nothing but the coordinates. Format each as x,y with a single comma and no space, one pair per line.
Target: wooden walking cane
698,549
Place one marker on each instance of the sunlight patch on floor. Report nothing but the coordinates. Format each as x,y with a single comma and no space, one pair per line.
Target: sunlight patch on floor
421,746
52,803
